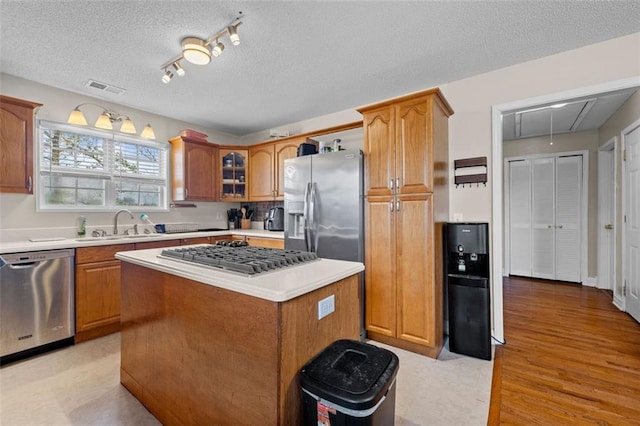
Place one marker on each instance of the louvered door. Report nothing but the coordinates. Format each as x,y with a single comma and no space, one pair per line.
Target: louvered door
542,215
520,217
568,209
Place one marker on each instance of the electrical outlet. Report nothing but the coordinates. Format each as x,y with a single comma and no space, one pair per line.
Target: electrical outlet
326,306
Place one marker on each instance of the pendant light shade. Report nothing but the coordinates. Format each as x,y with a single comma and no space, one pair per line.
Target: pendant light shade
128,127
148,132
196,51
103,122
77,117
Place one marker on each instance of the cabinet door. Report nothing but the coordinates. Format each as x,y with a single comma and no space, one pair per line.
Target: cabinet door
97,295
16,145
261,185
283,151
233,182
379,145
418,301
414,147
199,170
380,258
568,217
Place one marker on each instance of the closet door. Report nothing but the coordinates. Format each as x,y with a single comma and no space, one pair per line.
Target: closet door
568,189
543,218
520,217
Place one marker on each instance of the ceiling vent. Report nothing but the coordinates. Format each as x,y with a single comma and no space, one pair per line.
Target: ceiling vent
104,87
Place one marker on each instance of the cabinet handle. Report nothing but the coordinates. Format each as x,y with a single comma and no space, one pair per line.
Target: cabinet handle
186,193
397,183
29,184
549,226
391,187
391,206
398,205
560,226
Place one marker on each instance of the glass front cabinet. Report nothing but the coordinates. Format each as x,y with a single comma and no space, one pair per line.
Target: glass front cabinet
234,169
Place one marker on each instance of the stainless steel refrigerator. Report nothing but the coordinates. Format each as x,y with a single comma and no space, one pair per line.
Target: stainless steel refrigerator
323,203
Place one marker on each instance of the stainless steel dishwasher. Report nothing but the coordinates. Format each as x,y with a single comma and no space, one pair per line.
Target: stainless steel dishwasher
36,302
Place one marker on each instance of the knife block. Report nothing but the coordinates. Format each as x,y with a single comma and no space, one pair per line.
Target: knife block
245,223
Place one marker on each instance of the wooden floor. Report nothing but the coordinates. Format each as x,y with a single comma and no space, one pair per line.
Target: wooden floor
571,357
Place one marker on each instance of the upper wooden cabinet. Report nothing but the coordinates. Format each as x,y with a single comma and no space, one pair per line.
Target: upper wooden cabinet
398,143
16,144
234,174
267,169
193,165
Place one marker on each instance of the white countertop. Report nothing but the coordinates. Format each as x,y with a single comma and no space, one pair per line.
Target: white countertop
276,286
67,243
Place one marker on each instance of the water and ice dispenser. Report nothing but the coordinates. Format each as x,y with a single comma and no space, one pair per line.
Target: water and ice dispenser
466,256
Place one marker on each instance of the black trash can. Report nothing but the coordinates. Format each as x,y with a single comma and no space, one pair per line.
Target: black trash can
350,383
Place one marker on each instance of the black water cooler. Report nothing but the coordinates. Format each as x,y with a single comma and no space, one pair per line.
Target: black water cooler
466,257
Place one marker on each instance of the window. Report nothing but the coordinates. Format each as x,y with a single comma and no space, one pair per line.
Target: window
87,169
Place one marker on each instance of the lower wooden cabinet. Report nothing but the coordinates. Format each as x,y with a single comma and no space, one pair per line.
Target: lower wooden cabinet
403,283
97,291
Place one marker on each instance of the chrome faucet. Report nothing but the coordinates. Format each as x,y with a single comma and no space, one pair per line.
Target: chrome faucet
115,220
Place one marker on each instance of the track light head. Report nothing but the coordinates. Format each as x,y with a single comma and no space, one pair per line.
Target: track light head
178,68
217,49
233,35
166,78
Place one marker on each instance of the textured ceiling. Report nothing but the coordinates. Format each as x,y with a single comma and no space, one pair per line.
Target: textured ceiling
296,60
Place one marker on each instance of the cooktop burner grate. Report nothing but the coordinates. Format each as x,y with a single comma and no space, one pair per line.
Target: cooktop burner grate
245,260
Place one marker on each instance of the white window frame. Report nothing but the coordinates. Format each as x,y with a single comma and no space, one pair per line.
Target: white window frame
110,175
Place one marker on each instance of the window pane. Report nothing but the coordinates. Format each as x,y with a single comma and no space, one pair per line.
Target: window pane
127,198
80,167
88,197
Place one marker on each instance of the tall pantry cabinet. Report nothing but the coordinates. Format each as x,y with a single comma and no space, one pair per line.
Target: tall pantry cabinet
406,185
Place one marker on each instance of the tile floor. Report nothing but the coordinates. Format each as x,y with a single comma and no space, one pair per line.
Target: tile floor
79,385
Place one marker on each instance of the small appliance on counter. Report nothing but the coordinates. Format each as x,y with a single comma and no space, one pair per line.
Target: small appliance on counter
275,219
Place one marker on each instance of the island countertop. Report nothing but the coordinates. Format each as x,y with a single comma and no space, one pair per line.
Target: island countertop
276,286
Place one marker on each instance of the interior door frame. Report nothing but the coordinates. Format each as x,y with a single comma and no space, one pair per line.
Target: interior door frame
497,220
623,136
584,207
609,151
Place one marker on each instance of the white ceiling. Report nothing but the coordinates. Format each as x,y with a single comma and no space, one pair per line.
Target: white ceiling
297,59
572,115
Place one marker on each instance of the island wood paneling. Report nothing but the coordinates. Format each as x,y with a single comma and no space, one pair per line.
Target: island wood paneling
570,357
198,354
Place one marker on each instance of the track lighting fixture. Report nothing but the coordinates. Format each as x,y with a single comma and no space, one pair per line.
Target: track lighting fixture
217,49
168,75
199,51
179,69
106,120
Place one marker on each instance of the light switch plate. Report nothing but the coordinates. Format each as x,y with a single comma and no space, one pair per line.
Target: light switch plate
326,306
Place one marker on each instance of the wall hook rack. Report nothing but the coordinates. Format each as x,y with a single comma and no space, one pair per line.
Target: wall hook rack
478,178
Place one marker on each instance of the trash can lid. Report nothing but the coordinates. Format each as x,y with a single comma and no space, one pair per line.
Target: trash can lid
350,373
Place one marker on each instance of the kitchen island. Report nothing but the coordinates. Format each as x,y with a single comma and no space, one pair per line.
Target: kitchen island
203,346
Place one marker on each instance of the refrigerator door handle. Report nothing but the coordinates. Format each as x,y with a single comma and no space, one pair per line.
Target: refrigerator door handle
305,215
312,215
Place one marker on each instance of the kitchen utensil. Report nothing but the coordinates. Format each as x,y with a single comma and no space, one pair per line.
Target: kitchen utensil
244,213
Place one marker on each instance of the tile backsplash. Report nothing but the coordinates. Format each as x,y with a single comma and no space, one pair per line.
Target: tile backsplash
262,208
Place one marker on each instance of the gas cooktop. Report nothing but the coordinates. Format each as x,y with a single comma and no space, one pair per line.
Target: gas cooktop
244,260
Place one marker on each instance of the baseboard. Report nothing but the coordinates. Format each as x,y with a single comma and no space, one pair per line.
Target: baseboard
590,282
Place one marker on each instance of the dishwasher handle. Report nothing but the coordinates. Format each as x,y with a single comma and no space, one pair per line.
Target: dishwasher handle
26,265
